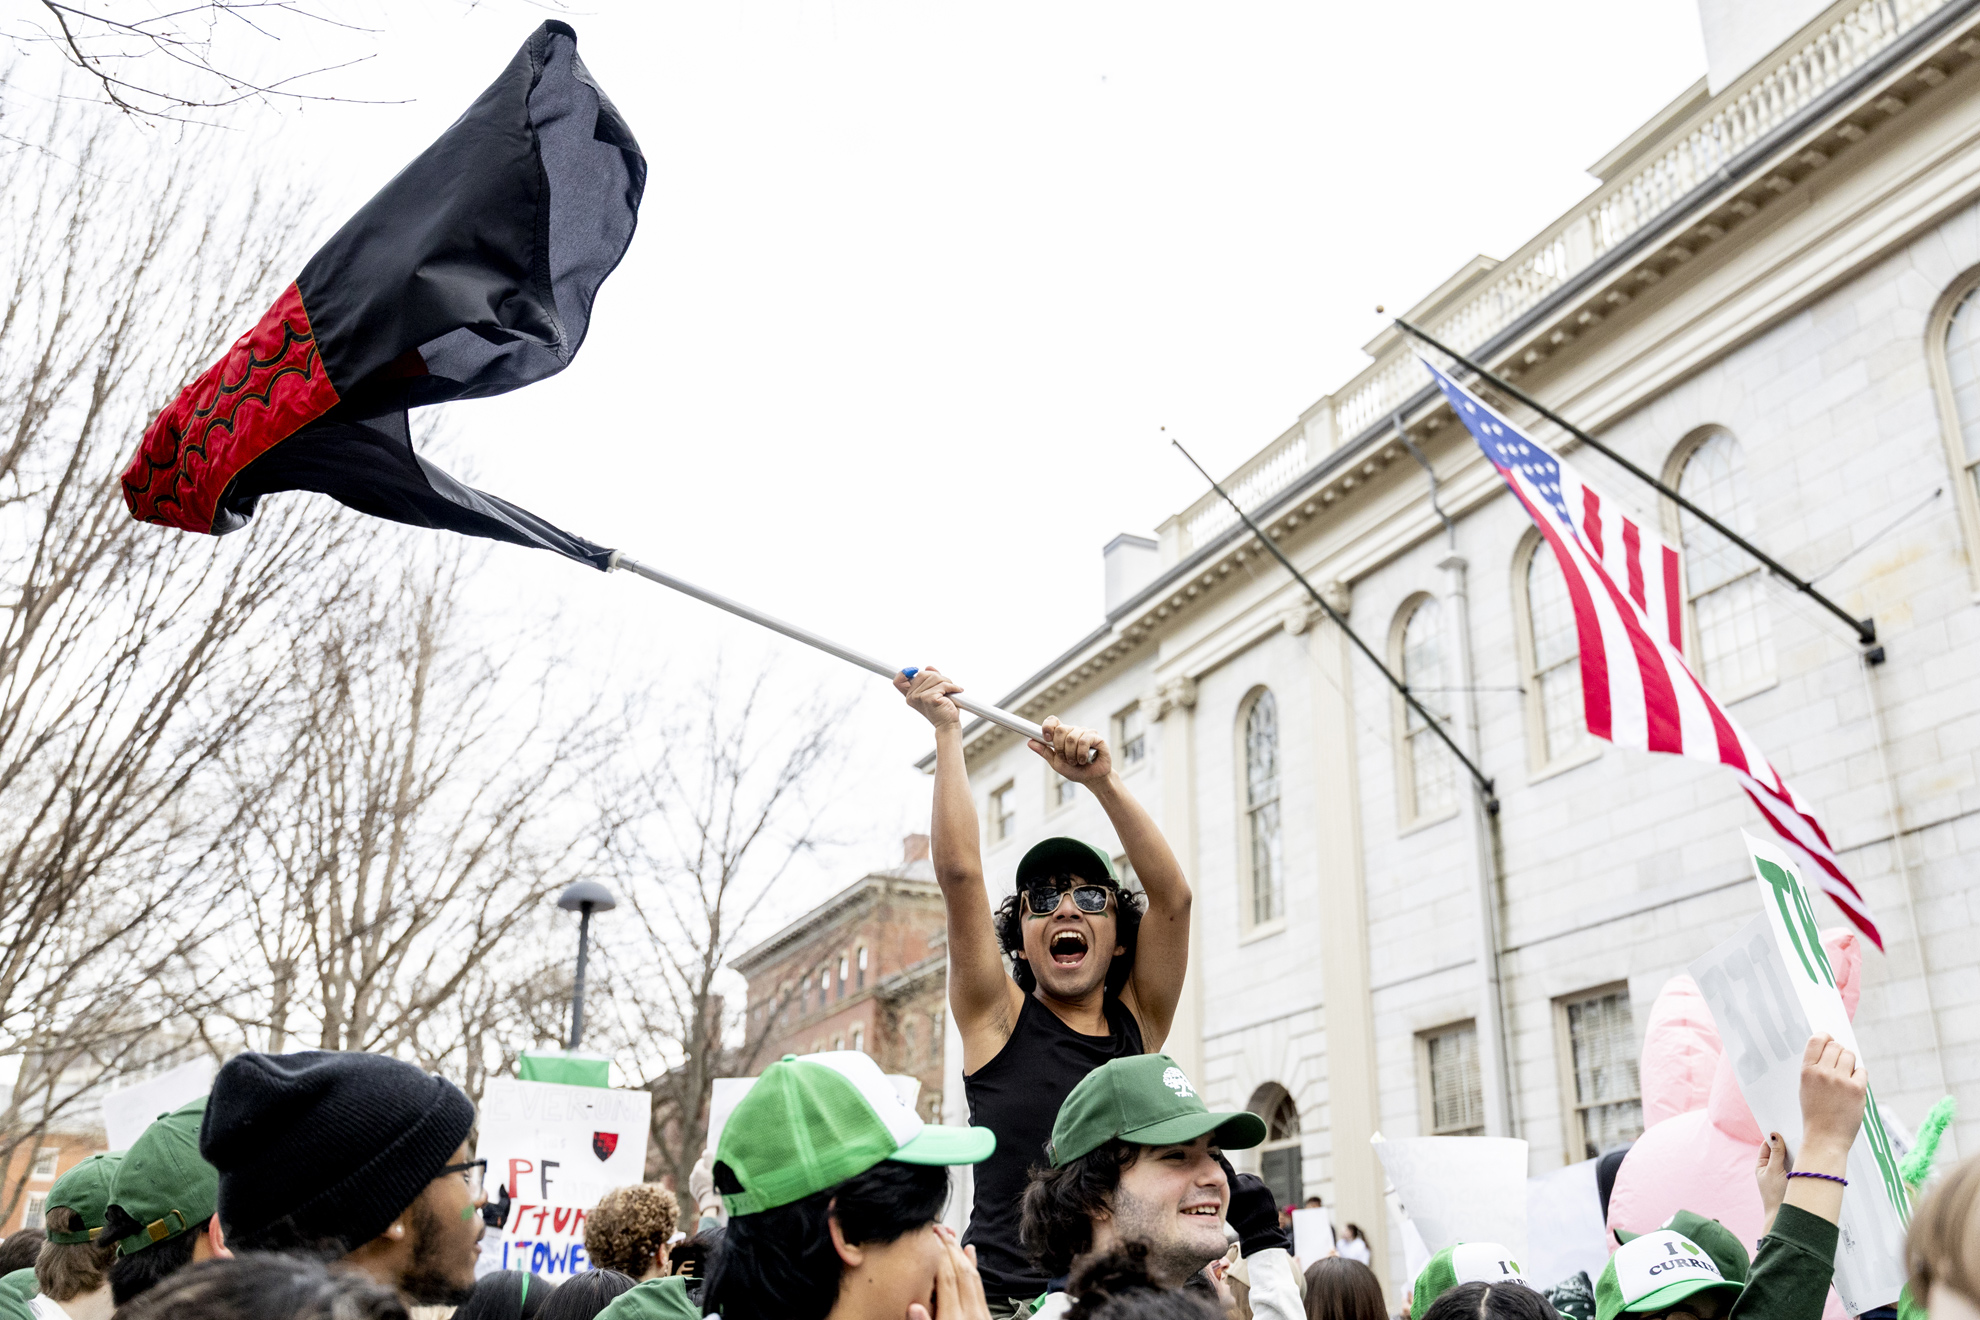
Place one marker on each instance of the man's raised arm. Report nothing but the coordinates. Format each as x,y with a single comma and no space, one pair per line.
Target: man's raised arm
982,996
1162,949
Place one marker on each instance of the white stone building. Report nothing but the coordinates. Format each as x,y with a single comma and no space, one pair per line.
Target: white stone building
1767,300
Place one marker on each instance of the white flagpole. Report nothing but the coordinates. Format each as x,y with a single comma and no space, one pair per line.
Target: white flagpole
1015,723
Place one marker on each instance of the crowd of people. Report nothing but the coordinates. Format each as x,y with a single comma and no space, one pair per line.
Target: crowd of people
342,1186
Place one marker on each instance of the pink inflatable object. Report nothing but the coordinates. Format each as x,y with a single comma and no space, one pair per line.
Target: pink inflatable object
1700,1141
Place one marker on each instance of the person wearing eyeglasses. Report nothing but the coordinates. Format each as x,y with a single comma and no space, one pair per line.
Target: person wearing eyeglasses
351,1157
1096,970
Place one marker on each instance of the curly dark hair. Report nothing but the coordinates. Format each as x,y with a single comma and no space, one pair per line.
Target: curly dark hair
1128,907
1056,1219
1116,1286
629,1226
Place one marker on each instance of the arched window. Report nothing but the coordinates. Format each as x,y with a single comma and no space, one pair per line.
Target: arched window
1279,1158
1429,780
1724,583
1954,344
1264,852
1557,727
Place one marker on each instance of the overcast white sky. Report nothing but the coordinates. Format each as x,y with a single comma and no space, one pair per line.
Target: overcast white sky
915,285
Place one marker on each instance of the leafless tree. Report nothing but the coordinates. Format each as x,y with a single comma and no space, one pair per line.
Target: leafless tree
125,664
417,803
699,837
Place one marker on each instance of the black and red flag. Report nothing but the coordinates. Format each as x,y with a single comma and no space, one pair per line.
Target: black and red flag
470,274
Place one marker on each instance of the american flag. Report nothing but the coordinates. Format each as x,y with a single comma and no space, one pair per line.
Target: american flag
1636,689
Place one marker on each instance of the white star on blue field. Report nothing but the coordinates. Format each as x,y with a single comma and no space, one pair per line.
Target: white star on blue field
1506,447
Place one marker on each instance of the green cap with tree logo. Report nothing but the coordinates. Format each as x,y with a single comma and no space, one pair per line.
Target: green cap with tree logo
811,1123
1146,1100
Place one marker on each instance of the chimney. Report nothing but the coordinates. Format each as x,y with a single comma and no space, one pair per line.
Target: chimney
1132,562
914,848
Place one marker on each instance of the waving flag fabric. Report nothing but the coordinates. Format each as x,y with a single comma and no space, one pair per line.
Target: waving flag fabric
1636,689
471,273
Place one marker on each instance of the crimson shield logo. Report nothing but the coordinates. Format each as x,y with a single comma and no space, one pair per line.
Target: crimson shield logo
603,1144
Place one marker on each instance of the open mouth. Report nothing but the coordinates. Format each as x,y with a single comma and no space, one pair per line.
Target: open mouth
1068,948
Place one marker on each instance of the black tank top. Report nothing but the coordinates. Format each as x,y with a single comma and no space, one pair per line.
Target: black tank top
1017,1095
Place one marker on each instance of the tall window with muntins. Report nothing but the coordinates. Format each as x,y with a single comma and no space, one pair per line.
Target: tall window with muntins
1607,1102
46,1160
1130,737
1279,1159
1725,584
1429,777
862,966
1264,845
1955,361
36,1214
1553,680
1456,1090
1060,791
1003,813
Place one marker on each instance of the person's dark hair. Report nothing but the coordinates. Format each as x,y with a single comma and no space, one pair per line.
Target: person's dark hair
1485,1301
261,1285
138,1273
1354,1231
66,1270
1114,1285
506,1295
1341,1289
629,1227
1128,907
21,1249
1606,1169
583,1296
1056,1219
781,1262
693,1256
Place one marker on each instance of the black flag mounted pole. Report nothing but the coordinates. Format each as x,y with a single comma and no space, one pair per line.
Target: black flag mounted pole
1865,629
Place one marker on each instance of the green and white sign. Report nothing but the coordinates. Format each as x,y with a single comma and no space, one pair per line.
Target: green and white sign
1770,988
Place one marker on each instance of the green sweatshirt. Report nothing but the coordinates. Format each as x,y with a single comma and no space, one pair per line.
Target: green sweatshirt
1792,1270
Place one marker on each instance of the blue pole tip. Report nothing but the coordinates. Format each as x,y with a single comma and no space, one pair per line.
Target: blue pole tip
910,671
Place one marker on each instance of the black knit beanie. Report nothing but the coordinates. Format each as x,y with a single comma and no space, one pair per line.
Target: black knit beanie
337,1144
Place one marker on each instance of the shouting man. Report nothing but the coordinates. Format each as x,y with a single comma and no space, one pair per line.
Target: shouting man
1097,970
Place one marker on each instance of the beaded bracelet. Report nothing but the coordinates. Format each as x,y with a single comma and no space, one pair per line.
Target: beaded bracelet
1829,1177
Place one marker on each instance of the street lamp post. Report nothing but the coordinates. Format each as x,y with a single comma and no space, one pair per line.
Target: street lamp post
585,897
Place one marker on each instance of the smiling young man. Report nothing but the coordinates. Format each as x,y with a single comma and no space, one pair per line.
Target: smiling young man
1097,970
351,1157
1137,1158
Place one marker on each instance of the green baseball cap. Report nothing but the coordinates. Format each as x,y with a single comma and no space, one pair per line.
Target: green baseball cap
811,1123
163,1183
1658,1269
1147,1100
1063,856
1462,1262
1720,1243
85,1189
656,1299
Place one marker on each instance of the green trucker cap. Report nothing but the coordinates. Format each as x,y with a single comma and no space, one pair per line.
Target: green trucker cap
1147,1100
163,1183
85,1189
811,1123
1063,856
1462,1262
1654,1271
1720,1243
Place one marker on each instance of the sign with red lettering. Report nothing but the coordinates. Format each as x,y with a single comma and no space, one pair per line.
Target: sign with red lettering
555,1150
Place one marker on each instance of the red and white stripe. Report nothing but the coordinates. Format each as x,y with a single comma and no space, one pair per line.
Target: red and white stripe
1637,690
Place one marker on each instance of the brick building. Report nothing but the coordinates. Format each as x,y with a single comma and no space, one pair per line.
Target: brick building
33,1169
864,970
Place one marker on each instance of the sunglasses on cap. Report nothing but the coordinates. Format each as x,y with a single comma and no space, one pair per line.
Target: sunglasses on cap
1042,897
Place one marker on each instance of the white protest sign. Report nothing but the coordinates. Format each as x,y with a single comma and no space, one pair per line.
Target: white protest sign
1461,1189
556,1150
129,1110
1565,1233
1770,988
1313,1233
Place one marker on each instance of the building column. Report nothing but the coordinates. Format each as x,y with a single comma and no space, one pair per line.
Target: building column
1173,705
1353,1098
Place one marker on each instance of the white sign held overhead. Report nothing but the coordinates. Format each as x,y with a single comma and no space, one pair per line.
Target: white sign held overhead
1313,1233
555,1150
1770,987
129,1110
1461,1189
